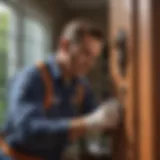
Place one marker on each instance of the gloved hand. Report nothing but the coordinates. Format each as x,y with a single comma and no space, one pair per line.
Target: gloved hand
107,116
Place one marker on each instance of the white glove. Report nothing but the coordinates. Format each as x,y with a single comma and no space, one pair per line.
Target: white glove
106,116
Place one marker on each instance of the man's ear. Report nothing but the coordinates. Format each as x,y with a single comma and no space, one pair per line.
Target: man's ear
64,45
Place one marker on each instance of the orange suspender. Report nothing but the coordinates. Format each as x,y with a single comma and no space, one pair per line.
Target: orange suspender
8,150
48,84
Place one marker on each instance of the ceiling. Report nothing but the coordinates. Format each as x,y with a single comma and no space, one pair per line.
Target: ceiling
50,5
85,3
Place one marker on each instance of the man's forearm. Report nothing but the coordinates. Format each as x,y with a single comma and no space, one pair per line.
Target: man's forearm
105,117
78,128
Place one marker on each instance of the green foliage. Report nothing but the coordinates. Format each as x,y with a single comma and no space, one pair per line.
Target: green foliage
2,111
4,21
4,28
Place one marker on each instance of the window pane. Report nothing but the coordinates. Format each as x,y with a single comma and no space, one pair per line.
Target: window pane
34,42
4,45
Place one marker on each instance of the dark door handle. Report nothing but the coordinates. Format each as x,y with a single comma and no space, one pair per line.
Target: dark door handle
121,46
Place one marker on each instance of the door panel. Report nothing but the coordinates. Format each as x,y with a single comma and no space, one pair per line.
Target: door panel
138,136
122,19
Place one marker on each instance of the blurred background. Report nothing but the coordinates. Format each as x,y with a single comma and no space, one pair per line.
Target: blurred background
29,31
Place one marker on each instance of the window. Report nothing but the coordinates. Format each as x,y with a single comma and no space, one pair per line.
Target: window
5,36
35,41
23,40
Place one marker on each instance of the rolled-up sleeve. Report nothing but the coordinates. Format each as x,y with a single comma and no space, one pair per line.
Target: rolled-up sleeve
27,111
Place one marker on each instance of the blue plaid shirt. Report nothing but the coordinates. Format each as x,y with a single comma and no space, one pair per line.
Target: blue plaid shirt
28,128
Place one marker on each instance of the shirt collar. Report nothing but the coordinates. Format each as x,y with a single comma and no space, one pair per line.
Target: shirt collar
55,69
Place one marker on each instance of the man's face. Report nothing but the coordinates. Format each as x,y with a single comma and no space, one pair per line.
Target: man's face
84,55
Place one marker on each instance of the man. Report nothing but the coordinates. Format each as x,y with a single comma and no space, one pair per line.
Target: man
35,132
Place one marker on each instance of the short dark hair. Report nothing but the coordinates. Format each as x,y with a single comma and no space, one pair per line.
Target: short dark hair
77,29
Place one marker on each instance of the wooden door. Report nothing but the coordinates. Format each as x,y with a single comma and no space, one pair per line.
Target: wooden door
137,137
121,20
